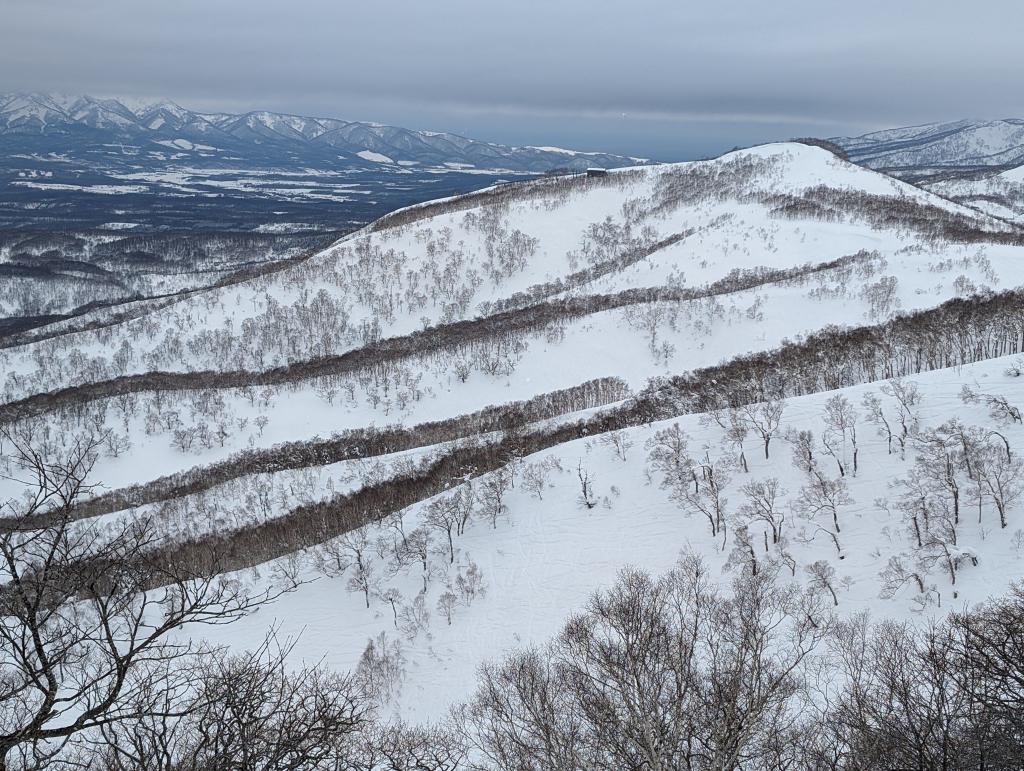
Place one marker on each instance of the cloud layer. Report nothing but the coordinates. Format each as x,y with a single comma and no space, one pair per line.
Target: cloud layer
665,78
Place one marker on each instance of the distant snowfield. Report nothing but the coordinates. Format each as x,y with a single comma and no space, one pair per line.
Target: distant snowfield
997,194
182,144
369,155
120,225
101,189
961,144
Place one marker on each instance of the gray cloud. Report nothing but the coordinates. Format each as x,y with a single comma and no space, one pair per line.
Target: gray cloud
666,78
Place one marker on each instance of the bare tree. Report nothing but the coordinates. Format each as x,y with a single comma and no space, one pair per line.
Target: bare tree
587,496
89,621
492,493
841,418
834,448
999,407
349,552
662,674
876,415
803,449
414,617
762,505
444,514
363,579
1002,479
823,577
668,454
822,495
764,419
907,396
619,441
249,712
743,552
735,429
392,597
900,571
706,495
469,583
417,549
535,479
446,603
381,668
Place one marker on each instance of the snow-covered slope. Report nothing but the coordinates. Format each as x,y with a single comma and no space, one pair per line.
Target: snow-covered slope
937,148
510,359
999,194
547,553
683,226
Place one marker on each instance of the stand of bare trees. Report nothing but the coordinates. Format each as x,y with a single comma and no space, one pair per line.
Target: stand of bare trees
671,674
86,640
668,673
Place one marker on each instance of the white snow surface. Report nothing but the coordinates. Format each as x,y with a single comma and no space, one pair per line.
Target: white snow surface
545,558
437,264
962,143
370,155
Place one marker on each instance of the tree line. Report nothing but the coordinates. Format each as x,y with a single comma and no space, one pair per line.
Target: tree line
495,327
958,332
357,444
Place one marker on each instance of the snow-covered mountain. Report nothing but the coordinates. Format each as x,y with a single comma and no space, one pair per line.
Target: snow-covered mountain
937,149
276,140
79,163
451,426
998,193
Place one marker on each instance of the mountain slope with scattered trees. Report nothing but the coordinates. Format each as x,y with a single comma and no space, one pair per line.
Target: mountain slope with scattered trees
706,466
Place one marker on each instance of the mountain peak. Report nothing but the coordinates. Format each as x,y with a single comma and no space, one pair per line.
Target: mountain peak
278,139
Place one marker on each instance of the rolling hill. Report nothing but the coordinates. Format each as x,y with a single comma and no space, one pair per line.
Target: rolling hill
450,426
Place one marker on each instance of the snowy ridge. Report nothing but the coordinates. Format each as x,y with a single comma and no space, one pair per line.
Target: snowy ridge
932,149
518,356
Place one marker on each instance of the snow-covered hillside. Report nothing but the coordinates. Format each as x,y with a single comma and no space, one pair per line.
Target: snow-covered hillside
546,552
999,194
939,148
454,424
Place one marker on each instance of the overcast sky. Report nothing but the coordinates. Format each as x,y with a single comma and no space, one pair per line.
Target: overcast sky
669,79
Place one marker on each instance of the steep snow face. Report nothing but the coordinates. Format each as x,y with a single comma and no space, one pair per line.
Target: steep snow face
269,397
962,144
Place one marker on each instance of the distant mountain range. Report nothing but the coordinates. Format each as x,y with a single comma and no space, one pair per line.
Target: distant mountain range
81,163
157,130
937,150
